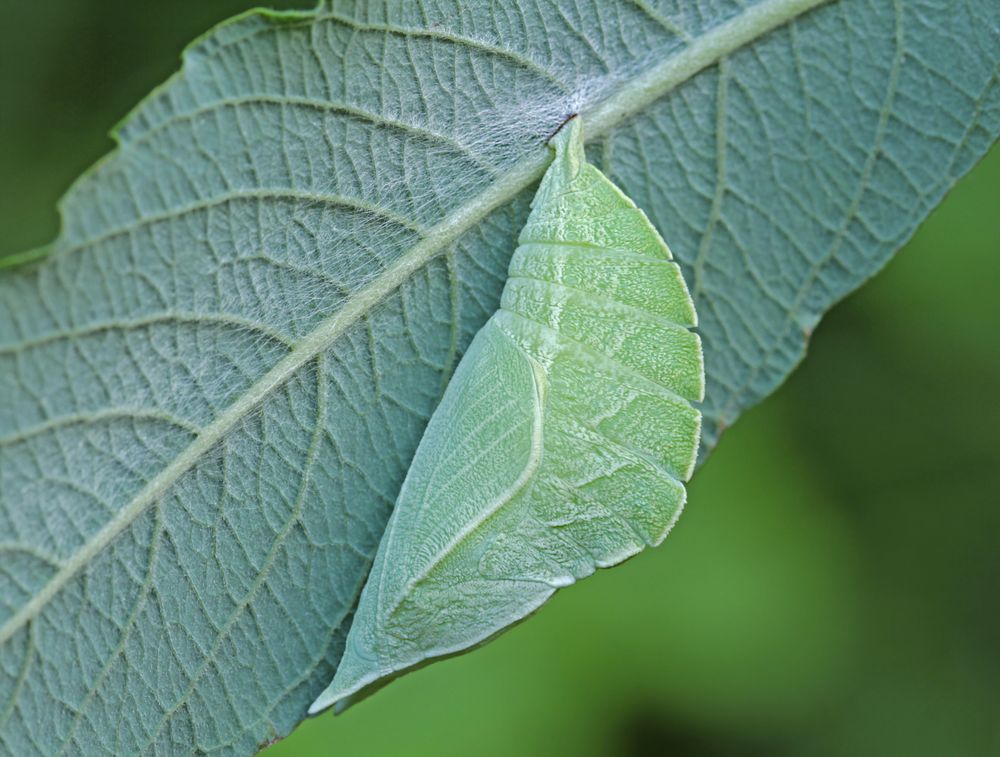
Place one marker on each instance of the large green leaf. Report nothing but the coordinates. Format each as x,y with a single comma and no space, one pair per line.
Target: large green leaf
211,390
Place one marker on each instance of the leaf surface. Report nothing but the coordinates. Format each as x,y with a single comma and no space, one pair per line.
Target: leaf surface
211,389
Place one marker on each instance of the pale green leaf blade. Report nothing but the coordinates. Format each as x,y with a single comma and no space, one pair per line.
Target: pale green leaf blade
211,390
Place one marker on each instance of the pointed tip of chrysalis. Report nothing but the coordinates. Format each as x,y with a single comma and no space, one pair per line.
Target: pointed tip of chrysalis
356,673
341,694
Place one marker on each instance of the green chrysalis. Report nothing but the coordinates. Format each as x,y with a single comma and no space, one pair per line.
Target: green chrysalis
560,445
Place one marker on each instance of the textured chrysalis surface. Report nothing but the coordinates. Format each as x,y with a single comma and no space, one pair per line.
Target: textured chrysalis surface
561,444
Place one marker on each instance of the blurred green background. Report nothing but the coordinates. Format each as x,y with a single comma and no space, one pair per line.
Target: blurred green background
832,589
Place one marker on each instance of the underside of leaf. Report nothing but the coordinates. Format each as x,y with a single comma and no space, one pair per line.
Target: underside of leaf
212,387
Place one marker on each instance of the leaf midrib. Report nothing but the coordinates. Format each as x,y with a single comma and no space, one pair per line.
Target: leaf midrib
630,98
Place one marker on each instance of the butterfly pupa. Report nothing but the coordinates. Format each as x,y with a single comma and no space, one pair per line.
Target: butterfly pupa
562,442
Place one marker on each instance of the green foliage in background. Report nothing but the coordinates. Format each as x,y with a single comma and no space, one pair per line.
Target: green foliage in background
847,545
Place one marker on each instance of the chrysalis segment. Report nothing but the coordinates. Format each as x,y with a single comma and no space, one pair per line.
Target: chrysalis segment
560,445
